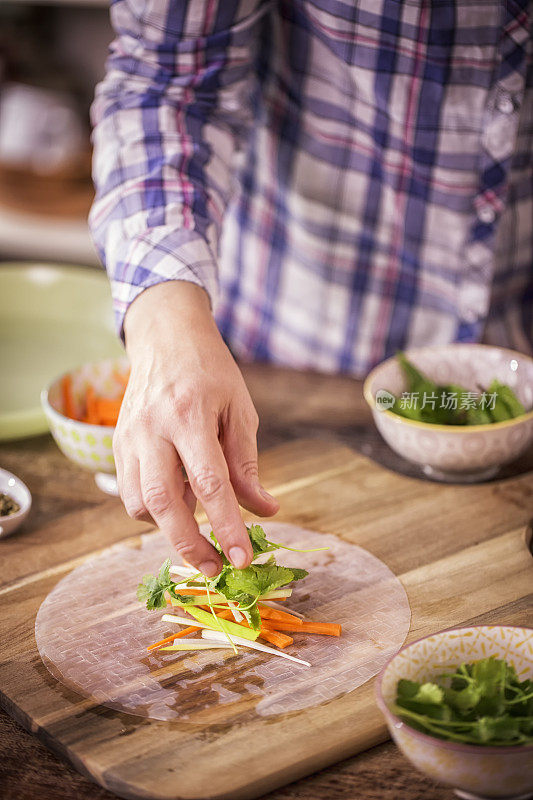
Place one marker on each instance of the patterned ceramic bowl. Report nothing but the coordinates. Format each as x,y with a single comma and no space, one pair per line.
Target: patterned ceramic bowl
475,771
89,446
455,453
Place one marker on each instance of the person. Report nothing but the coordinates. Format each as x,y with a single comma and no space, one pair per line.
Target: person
317,183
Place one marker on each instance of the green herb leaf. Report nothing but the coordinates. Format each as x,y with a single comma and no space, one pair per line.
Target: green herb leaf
242,586
480,703
252,616
257,579
152,589
184,599
429,693
463,699
407,689
218,548
164,573
260,543
503,728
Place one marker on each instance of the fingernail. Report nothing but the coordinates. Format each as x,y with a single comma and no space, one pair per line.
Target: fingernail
266,495
238,557
209,568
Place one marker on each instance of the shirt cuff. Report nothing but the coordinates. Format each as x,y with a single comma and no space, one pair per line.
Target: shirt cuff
158,255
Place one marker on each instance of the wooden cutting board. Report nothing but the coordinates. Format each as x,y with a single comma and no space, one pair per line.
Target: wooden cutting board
461,552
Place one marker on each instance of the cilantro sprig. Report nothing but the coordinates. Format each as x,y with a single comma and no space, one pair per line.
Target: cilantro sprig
261,545
481,703
152,589
245,586
241,586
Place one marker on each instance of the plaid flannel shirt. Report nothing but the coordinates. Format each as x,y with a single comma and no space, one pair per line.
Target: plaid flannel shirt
343,178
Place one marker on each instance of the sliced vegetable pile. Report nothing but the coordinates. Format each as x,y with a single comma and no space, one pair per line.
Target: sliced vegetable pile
97,410
237,607
451,404
480,703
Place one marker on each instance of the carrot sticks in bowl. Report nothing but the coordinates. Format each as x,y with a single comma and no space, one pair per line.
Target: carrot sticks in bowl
95,409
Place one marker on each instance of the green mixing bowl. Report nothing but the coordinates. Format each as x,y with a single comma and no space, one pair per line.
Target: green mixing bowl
52,318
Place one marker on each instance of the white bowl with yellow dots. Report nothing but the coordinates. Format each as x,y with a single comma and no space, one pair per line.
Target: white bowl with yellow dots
455,453
87,445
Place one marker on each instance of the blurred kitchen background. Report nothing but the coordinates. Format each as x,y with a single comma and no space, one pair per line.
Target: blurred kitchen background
51,56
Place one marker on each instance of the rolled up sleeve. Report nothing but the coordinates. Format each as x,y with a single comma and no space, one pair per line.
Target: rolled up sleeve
173,108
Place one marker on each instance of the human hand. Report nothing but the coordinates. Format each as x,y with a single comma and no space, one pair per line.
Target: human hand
186,403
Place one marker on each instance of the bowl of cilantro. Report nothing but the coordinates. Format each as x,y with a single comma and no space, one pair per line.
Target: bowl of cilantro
459,705
459,411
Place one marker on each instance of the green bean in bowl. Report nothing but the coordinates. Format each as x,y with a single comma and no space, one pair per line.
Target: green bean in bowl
452,404
458,411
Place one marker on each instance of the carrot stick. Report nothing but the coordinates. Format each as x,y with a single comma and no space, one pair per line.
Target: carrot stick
121,377
68,401
275,637
181,633
91,415
270,635
108,408
279,616
221,614
109,421
325,628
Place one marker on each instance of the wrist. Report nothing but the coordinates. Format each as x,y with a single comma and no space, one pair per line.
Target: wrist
180,305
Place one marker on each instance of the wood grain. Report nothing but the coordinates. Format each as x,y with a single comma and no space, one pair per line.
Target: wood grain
378,774
290,404
456,565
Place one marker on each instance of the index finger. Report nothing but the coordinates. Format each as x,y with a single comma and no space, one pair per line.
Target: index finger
208,475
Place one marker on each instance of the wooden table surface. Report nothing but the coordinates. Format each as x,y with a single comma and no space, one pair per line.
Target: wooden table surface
290,405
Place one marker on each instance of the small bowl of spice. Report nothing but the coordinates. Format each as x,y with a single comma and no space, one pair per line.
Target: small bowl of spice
15,502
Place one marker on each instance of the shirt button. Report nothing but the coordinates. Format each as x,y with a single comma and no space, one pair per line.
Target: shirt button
499,137
477,254
469,315
504,104
486,214
473,301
